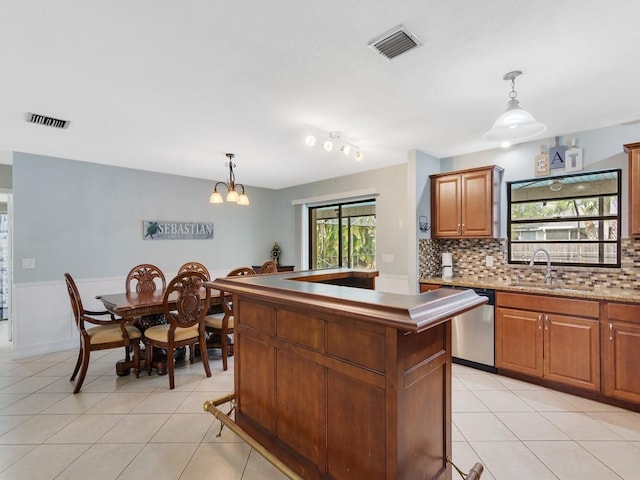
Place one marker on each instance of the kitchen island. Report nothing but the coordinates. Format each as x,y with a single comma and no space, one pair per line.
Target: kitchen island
342,382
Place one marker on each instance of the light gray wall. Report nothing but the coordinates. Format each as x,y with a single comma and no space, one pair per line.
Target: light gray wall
5,177
86,219
602,150
392,213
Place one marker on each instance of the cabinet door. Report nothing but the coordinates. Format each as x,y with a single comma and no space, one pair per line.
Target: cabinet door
634,192
427,287
572,351
519,341
621,360
477,204
445,206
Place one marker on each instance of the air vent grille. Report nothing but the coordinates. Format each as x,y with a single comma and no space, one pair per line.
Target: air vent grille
47,121
395,42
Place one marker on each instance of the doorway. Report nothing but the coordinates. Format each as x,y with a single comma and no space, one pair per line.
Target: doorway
5,268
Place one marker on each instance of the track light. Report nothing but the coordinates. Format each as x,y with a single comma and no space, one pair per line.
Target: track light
333,138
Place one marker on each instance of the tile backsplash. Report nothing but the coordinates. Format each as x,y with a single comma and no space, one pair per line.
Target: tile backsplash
469,259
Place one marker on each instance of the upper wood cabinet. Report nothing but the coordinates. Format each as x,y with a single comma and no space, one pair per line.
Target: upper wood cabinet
633,149
466,203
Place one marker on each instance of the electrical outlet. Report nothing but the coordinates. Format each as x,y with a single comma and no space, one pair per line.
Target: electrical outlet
488,261
387,257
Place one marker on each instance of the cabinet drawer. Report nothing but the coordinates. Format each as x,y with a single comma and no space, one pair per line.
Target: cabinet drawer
549,304
624,312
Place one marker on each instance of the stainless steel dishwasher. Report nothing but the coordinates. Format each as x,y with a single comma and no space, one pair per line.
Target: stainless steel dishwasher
473,334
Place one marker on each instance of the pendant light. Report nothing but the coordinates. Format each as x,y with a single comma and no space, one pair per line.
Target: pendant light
515,123
232,187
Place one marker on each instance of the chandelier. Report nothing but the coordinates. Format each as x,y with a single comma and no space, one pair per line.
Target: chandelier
232,187
335,138
515,123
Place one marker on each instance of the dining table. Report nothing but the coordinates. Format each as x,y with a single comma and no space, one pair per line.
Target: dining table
144,310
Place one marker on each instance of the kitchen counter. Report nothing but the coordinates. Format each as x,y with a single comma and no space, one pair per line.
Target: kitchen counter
597,293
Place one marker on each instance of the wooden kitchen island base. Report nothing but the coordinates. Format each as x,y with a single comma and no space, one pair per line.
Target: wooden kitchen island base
345,383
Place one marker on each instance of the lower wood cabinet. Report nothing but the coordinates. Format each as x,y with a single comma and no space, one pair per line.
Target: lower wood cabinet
554,338
621,351
427,287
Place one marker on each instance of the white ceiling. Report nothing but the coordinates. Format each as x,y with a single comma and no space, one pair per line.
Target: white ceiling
170,86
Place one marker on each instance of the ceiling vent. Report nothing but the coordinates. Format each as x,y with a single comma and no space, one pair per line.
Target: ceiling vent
47,121
396,41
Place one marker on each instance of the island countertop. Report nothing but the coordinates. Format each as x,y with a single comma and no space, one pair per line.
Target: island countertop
322,289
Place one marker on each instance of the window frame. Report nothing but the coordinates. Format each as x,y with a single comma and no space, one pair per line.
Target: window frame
340,219
565,219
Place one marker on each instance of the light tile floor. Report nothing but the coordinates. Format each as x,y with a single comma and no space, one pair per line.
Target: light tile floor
123,427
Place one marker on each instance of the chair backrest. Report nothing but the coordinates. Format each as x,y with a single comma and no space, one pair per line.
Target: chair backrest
76,301
241,272
191,299
269,267
236,272
144,276
195,267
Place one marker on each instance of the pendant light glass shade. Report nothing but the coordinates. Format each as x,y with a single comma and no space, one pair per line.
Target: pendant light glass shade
515,123
232,196
215,198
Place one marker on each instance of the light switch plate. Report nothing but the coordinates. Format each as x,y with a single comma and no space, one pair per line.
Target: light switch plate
28,263
489,261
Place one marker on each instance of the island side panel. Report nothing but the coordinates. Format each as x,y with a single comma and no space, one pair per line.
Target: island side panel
424,430
334,396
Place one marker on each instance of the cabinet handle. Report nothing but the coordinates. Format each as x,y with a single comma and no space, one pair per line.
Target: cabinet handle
539,321
610,331
463,228
459,230
546,321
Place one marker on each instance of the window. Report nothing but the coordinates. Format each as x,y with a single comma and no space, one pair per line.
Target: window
343,235
574,217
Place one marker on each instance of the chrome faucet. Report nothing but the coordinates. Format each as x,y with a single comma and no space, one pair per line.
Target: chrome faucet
546,252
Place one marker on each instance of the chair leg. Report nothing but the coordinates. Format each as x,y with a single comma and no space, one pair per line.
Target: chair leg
225,348
83,370
170,367
191,353
136,358
204,355
77,367
149,357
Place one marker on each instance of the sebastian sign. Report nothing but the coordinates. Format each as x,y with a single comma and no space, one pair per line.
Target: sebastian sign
157,230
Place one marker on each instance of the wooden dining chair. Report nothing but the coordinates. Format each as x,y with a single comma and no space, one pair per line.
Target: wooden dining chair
111,333
269,267
195,267
185,305
145,278
220,325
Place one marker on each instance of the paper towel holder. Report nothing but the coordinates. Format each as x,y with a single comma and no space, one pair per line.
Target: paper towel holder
423,224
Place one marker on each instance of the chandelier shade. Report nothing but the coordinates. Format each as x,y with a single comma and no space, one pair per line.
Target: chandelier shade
233,188
515,123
